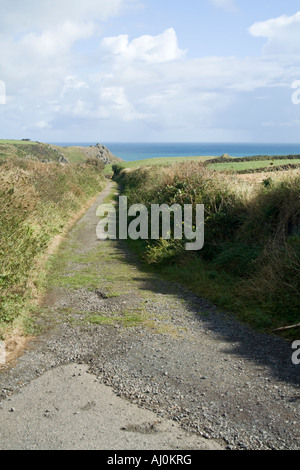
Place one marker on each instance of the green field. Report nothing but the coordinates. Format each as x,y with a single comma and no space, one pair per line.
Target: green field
233,165
252,165
163,161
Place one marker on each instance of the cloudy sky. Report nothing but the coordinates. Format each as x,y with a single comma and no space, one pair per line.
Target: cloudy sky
150,70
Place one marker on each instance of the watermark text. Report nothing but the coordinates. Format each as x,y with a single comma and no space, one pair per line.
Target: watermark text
296,94
160,221
2,92
156,460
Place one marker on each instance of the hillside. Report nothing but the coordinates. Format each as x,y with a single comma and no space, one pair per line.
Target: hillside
52,153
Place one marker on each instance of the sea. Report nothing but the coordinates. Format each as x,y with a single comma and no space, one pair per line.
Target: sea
142,151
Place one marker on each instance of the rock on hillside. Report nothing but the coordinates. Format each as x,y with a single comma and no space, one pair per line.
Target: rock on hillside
100,152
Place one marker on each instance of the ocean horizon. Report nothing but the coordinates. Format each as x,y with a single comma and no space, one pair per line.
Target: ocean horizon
143,151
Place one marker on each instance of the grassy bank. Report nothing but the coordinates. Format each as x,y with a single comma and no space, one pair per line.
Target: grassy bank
250,264
37,202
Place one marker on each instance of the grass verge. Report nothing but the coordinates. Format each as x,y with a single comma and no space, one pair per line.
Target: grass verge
38,203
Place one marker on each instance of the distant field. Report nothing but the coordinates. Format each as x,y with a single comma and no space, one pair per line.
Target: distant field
252,165
157,161
163,161
235,165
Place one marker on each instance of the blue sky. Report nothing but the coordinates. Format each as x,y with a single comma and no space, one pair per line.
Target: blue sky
153,71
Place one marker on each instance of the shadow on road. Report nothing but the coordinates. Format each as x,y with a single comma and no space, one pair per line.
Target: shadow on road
265,350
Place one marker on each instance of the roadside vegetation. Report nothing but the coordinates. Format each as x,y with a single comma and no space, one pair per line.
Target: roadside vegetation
250,264
261,165
37,202
158,161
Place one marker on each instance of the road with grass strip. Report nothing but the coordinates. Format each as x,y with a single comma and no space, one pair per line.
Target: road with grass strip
126,360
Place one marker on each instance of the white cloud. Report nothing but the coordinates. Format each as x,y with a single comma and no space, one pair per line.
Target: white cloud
18,15
105,102
72,82
179,94
115,103
148,80
152,49
57,41
39,63
37,39
42,124
282,34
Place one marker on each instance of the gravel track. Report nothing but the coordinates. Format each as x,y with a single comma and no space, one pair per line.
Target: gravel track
158,348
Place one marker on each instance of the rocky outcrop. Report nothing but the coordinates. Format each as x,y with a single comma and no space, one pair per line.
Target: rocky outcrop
98,151
103,153
62,159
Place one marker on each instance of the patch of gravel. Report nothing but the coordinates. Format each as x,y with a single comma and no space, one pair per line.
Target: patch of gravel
187,361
